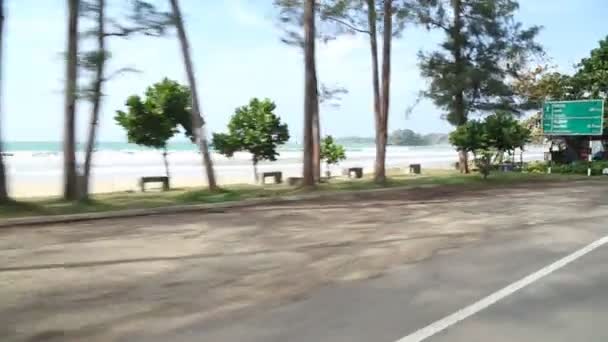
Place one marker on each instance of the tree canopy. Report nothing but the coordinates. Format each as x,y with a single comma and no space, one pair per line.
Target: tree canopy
332,152
174,101
155,119
470,137
484,47
338,17
493,136
407,137
253,128
592,72
145,126
589,81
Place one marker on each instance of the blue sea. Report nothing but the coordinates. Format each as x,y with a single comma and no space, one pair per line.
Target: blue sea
36,168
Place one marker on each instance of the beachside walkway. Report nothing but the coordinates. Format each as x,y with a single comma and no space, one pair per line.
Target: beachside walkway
378,269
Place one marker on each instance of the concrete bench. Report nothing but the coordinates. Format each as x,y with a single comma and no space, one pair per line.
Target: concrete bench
163,179
294,181
506,167
415,169
278,177
358,171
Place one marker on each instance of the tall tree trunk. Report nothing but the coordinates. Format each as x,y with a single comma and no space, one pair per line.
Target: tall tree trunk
310,90
373,39
382,134
459,104
70,182
166,161
256,176
316,134
198,123
3,182
97,90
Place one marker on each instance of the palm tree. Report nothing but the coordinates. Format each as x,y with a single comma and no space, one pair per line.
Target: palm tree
198,123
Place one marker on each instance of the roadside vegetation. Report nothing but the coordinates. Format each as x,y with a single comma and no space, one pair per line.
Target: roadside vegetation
190,196
487,66
574,168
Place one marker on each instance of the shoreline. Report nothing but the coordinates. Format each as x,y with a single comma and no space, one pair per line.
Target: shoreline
127,204
37,174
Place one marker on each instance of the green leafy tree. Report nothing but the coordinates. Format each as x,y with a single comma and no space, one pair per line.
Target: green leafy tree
489,139
592,74
589,81
256,129
406,137
484,48
331,152
538,85
506,133
472,137
152,121
173,100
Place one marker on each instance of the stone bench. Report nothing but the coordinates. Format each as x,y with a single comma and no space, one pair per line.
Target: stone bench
358,171
278,177
144,180
415,169
506,167
294,181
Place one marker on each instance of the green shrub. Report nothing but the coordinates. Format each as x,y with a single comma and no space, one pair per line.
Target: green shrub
577,167
536,167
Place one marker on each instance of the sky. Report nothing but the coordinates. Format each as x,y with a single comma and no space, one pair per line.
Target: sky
238,55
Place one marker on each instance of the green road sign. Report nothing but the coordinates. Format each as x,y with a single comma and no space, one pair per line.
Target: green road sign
585,117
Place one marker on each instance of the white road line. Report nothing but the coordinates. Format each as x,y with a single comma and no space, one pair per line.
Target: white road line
474,308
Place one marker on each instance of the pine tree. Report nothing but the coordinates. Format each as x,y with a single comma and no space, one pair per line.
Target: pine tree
373,18
198,122
484,48
3,185
144,19
70,182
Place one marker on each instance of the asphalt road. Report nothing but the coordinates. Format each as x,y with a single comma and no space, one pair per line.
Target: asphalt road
568,305
380,269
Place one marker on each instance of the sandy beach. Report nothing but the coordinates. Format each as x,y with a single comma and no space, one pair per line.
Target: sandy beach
36,173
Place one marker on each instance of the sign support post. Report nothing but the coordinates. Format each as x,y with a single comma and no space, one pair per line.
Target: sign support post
590,157
550,159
